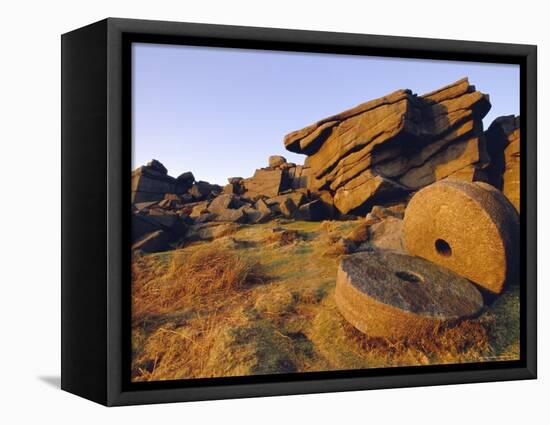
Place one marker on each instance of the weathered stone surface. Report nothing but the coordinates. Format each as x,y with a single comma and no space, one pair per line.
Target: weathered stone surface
156,241
184,182
276,161
387,234
397,211
297,198
312,211
231,215
298,176
157,166
199,208
202,190
503,144
263,207
400,140
210,230
265,182
456,157
255,216
363,191
151,183
469,228
141,225
391,295
223,202
144,206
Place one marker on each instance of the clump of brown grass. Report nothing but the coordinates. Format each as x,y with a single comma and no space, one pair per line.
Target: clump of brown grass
329,226
466,341
172,352
283,237
209,271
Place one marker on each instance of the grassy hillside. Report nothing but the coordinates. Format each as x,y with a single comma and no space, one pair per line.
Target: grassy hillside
262,302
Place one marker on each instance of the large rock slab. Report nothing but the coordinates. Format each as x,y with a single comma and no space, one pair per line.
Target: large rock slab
265,182
392,295
470,228
210,230
399,140
361,193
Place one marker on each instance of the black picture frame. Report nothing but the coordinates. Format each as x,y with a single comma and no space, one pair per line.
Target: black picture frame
96,160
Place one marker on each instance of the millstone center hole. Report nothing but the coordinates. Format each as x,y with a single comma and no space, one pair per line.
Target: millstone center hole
409,277
443,248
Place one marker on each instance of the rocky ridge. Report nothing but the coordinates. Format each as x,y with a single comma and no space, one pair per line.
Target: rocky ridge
378,153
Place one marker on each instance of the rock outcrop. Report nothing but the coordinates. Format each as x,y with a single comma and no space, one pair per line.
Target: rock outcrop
503,144
385,148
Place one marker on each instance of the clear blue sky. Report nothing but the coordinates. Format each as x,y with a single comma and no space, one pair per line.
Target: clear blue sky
221,112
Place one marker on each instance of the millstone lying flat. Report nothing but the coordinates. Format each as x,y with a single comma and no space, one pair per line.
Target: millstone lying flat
470,228
384,293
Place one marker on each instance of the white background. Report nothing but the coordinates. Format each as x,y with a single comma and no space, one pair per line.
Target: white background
30,210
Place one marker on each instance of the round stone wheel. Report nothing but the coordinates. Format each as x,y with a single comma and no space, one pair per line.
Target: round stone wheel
470,228
392,295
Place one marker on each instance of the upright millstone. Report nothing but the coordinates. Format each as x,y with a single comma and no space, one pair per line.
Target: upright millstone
392,295
470,228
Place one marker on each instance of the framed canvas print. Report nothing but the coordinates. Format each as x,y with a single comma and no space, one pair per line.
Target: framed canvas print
253,212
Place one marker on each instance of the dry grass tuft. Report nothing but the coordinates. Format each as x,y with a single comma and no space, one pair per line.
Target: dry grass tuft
188,278
283,237
468,337
198,313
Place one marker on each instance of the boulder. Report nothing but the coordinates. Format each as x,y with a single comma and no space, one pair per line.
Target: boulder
151,183
298,176
256,216
387,234
358,195
265,182
198,208
156,241
210,230
470,228
276,161
184,182
287,207
399,142
142,225
297,198
395,296
223,202
158,167
312,211
144,206
202,190
230,215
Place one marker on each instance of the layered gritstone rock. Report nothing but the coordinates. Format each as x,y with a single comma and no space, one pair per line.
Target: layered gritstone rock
399,143
503,143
